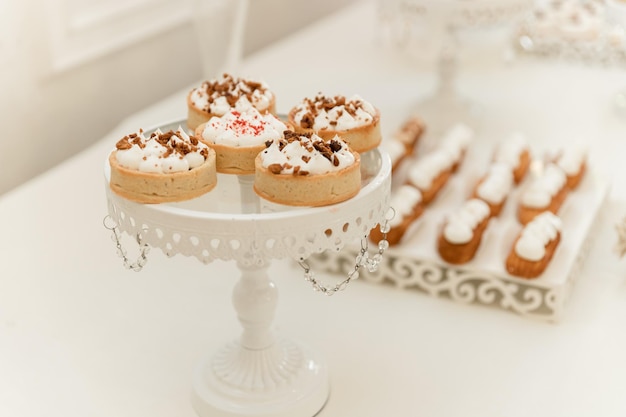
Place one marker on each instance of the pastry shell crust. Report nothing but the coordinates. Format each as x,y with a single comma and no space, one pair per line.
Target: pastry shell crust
232,159
151,188
308,190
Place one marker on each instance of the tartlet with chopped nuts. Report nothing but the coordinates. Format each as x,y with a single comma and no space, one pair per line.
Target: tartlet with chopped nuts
217,96
161,167
354,119
306,170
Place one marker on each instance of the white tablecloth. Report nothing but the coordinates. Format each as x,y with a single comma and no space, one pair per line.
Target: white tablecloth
82,336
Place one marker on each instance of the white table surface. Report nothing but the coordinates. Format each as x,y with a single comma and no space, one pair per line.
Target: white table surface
82,336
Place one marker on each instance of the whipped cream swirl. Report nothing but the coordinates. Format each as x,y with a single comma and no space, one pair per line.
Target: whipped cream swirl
540,192
497,184
426,169
304,154
510,150
334,113
246,128
459,228
572,159
532,242
456,140
403,202
172,151
220,95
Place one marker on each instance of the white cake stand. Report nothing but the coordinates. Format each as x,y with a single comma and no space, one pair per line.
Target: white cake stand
260,374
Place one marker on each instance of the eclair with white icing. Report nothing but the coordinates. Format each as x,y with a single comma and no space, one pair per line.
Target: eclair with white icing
354,119
162,167
494,187
218,96
402,143
410,133
545,193
406,205
573,161
430,173
238,136
515,152
456,141
462,232
305,170
535,246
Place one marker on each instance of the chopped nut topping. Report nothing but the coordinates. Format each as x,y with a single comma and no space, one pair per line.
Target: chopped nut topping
326,149
307,121
275,168
172,141
232,89
123,143
324,103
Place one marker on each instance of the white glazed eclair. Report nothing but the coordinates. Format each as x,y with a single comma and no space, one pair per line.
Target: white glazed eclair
462,232
546,193
406,203
535,246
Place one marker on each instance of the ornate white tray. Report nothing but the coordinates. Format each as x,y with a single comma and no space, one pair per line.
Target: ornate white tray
260,374
415,263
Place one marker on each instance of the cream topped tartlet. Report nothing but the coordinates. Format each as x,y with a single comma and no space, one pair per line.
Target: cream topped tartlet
306,170
216,97
238,136
162,167
354,119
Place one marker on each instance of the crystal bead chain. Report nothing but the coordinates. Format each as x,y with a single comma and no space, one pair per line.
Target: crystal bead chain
363,260
116,237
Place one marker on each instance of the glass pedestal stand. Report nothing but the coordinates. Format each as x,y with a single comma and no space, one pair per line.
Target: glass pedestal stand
446,107
260,374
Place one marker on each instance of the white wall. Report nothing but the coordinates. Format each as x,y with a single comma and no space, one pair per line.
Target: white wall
48,115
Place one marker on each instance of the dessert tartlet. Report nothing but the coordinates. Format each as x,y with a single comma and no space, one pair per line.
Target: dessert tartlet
162,167
355,120
306,170
535,246
216,97
238,137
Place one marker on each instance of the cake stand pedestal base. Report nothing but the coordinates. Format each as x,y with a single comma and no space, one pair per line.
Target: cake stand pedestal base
304,396
260,375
